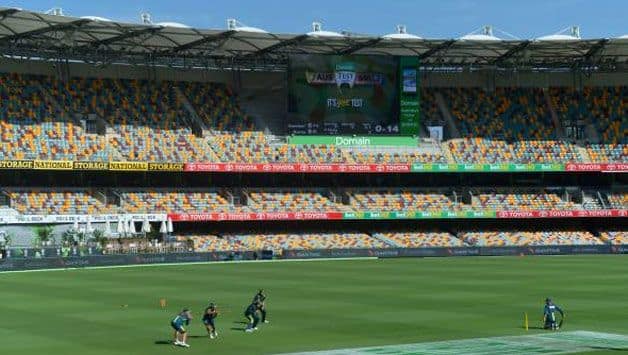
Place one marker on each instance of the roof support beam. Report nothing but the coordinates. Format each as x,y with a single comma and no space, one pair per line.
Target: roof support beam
594,50
511,52
125,36
51,28
356,47
7,12
204,40
441,47
281,44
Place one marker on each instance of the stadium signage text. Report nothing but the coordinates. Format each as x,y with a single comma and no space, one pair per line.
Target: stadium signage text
64,219
165,166
52,165
374,215
16,164
90,165
128,166
314,168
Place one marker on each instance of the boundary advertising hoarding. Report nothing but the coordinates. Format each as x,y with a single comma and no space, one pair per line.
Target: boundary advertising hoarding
14,264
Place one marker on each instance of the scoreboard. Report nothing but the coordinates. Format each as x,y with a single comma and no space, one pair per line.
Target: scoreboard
346,95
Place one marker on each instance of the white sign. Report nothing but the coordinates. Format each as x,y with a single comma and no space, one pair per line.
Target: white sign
436,132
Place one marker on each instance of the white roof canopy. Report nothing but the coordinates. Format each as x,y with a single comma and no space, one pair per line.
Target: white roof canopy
26,33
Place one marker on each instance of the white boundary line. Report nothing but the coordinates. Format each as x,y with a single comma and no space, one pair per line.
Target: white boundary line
190,263
556,342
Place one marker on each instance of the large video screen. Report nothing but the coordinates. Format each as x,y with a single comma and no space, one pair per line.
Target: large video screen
337,95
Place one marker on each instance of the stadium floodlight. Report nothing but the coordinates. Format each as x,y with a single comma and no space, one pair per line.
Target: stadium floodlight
235,25
146,18
485,33
55,11
402,33
317,31
571,33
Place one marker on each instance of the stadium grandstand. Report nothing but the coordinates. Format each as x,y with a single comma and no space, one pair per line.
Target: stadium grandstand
155,138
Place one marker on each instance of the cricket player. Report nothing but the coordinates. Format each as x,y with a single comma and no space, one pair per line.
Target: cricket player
211,312
549,315
260,297
251,315
180,334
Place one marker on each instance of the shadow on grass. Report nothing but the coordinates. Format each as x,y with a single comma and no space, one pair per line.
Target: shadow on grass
163,342
240,322
236,328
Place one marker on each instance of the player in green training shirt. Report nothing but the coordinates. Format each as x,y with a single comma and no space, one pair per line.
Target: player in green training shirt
549,315
178,323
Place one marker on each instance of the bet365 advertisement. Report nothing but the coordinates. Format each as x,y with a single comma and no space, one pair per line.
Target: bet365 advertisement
338,95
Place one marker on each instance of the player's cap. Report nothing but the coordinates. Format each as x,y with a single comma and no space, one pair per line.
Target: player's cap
548,300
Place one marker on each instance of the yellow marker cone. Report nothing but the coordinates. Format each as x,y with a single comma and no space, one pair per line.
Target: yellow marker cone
162,303
525,320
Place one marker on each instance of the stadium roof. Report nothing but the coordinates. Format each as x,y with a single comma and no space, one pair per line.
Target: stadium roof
95,39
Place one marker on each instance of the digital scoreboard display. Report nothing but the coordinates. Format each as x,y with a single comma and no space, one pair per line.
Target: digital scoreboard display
345,95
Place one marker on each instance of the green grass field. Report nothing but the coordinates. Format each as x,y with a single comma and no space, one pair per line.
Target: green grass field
313,305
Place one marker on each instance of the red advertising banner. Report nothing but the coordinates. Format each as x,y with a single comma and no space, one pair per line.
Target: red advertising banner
263,216
562,214
611,167
297,168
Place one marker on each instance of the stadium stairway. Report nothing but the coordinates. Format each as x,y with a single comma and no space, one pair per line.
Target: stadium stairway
193,115
584,154
114,154
451,127
447,153
558,127
383,239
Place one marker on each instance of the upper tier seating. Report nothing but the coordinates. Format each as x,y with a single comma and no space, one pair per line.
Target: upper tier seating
31,127
512,114
217,106
147,118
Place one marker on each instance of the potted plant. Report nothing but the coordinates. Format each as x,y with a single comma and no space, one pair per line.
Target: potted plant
45,234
